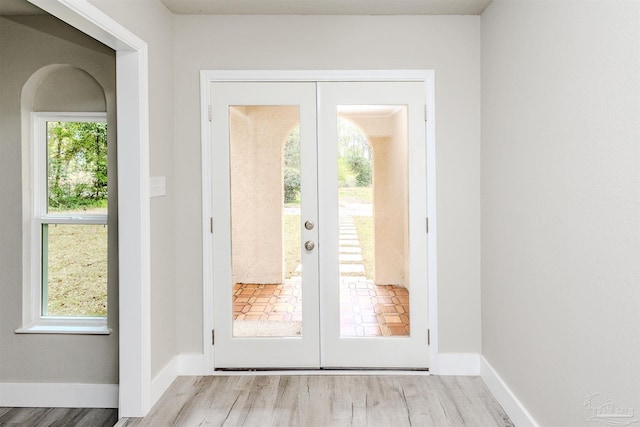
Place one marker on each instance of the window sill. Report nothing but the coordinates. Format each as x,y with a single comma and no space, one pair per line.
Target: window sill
67,327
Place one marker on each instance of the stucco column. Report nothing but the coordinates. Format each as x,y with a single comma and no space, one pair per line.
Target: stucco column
258,134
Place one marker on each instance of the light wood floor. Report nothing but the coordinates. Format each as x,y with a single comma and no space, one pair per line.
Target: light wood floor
58,417
326,401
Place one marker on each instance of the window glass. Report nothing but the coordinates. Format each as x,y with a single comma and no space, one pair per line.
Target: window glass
73,219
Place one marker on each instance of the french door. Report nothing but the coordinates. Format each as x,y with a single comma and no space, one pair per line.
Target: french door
319,234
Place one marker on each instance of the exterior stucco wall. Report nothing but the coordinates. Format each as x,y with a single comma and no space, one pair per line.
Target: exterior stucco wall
258,134
388,138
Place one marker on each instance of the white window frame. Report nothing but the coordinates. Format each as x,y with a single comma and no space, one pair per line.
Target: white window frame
33,320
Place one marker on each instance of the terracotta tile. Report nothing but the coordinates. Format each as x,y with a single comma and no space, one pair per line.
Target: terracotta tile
366,309
387,308
397,330
280,308
392,319
257,308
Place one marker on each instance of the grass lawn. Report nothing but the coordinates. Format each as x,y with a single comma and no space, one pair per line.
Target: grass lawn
355,195
77,273
292,244
364,227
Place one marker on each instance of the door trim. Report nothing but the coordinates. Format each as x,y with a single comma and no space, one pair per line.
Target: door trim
209,76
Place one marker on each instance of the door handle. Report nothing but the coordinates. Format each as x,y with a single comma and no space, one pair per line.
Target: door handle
309,245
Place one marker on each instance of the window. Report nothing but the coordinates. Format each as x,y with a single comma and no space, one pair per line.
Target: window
68,238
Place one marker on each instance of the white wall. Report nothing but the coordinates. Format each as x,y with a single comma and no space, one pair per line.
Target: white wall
153,23
28,44
449,45
561,203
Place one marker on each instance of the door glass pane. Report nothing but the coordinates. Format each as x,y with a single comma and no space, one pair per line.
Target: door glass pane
77,167
74,273
265,221
373,211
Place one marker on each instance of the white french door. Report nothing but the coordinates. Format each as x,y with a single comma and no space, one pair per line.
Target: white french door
319,234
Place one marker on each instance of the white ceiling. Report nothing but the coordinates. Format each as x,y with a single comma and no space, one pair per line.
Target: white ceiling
327,7
295,7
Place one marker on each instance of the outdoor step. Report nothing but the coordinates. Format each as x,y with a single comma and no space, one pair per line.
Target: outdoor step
349,242
351,268
350,250
350,258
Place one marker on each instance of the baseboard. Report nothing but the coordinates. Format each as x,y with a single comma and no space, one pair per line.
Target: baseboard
58,395
458,364
180,364
503,394
163,379
192,364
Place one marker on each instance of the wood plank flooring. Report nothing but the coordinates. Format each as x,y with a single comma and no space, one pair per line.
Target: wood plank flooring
325,401
58,417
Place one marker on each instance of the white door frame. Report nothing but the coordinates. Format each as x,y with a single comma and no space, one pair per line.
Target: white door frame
133,195
208,76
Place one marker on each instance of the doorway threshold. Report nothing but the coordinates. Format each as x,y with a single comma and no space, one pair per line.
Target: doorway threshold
322,371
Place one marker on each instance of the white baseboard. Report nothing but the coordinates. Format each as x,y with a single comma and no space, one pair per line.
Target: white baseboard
163,379
193,364
180,364
58,395
458,364
503,394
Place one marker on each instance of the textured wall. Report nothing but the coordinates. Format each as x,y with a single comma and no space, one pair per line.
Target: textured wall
561,203
27,44
449,45
153,23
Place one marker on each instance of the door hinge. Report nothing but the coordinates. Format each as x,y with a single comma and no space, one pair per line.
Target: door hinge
210,112
425,113
428,336
211,224
427,223
213,337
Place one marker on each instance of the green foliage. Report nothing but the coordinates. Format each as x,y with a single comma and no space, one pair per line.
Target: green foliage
354,162
291,185
292,167
292,149
346,176
361,167
76,164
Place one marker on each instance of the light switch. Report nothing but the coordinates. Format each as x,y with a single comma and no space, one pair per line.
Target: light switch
157,186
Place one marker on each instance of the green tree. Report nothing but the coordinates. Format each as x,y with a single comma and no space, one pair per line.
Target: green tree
292,166
77,164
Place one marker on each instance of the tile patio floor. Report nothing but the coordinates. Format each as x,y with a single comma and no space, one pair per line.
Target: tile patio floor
366,309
